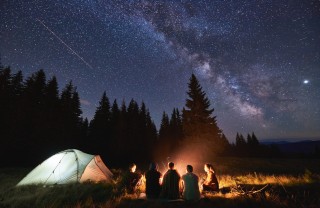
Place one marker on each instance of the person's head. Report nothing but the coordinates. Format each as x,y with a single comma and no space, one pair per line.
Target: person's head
171,165
208,167
132,167
153,166
189,168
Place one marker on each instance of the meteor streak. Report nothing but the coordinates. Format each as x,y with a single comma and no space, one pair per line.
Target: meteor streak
75,53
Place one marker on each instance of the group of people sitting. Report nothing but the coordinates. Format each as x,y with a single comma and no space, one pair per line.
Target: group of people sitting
173,185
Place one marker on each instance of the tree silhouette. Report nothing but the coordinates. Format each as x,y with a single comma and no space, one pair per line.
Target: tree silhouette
176,126
199,125
164,131
37,122
70,119
100,129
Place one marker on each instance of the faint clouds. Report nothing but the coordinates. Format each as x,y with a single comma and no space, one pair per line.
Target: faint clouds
85,102
270,87
247,109
204,70
243,107
200,63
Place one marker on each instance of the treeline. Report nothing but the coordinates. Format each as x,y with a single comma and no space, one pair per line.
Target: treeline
37,120
251,147
122,134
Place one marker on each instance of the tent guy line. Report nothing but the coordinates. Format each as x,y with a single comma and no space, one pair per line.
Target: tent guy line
73,51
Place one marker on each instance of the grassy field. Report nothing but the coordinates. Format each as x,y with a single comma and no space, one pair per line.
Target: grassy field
245,182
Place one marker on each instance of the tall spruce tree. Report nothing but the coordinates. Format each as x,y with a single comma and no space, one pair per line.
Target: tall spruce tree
100,126
175,129
254,140
70,119
164,131
5,116
165,139
240,141
151,136
134,140
199,126
52,112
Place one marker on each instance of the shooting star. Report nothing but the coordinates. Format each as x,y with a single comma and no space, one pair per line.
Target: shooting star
75,53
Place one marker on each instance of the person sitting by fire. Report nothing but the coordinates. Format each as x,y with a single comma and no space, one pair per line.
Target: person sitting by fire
190,185
131,179
153,187
211,183
171,183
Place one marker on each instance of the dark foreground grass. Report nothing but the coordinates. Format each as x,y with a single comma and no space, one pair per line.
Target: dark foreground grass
68,195
57,196
286,187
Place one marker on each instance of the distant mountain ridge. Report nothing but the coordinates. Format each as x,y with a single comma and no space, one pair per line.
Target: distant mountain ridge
287,140
308,146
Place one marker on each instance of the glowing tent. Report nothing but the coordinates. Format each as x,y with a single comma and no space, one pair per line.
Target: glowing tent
68,166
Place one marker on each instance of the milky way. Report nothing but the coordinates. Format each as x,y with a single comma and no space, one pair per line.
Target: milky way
258,61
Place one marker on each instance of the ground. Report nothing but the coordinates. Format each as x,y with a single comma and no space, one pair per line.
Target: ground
245,182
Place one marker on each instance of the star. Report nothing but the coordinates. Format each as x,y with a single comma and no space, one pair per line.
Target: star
251,58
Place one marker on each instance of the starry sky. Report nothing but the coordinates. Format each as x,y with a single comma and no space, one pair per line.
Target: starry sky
258,61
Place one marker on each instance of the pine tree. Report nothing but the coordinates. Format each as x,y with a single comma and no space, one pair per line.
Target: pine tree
70,120
249,139
114,120
224,143
175,129
52,102
100,126
151,136
52,114
76,107
164,131
66,98
255,140
17,84
134,139
240,141
34,116
148,135
197,119
199,125
16,107
84,133
115,113
122,135
5,117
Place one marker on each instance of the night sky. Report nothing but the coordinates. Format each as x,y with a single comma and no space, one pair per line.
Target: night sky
258,61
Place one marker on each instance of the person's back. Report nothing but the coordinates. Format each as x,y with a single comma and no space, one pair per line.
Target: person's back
191,186
170,184
152,182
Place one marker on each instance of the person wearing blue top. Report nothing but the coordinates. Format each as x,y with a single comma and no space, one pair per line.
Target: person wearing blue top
190,185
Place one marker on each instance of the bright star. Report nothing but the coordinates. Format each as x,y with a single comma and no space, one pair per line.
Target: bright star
305,81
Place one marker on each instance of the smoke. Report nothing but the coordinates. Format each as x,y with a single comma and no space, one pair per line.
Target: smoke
189,153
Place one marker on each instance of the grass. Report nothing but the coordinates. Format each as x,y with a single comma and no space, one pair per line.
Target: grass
244,183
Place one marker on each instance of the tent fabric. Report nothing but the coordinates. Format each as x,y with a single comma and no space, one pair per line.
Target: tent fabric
97,168
68,166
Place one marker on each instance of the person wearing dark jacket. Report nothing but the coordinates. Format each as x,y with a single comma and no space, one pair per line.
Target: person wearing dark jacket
171,183
153,187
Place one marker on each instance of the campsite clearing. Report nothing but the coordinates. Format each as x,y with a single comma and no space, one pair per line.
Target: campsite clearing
287,187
